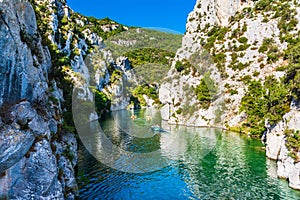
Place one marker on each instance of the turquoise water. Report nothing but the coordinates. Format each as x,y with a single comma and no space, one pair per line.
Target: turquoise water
182,163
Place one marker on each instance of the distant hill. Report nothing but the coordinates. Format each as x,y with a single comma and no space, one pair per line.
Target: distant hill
137,38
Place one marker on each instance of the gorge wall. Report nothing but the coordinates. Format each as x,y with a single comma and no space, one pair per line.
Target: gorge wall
37,155
43,49
237,69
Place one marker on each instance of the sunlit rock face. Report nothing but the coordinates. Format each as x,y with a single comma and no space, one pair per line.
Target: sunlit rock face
177,91
29,122
276,148
215,12
201,48
24,62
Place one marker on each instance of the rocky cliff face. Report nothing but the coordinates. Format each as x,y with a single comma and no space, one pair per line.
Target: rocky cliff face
277,148
234,71
24,61
43,49
33,158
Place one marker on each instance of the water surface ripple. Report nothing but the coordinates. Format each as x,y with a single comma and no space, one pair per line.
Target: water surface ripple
201,164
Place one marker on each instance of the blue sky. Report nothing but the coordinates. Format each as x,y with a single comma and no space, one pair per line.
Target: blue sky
167,14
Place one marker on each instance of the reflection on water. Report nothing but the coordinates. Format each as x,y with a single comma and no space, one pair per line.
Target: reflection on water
183,163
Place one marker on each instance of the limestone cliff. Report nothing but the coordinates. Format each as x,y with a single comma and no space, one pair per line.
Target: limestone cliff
34,164
237,69
43,48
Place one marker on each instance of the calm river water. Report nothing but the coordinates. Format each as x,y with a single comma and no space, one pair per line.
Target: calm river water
124,159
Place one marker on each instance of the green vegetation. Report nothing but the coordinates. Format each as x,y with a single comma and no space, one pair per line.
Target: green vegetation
292,78
102,102
281,10
270,48
256,73
292,55
268,101
139,38
139,91
218,32
253,104
246,79
149,55
215,33
116,76
293,143
206,91
151,73
263,5
183,66
233,92
98,26
220,59
265,100
239,66
243,40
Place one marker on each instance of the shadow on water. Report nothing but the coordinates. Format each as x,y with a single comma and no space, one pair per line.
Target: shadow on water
190,163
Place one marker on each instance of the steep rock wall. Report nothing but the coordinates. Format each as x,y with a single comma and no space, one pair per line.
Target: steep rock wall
242,43
33,163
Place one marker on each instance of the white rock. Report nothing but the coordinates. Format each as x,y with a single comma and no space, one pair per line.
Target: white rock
149,101
165,112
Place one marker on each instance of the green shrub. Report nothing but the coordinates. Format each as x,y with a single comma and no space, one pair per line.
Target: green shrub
232,91
149,55
179,111
264,5
239,66
244,29
64,20
184,66
254,105
206,91
267,42
116,76
141,90
281,68
292,79
243,40
210,42
268,101
219,58
293,143
102,102
227,85
246,79
213,31
242,47
179,66
221,33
